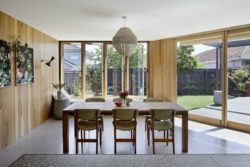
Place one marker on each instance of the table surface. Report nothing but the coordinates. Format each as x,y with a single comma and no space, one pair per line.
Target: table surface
140,106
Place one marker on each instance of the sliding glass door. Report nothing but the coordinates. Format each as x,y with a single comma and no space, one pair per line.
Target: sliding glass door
238,69
199,64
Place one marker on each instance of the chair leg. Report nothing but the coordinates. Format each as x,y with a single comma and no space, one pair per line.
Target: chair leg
145,123
134,140
173,138
102,125
76,137
148,134
115,141
167,136
81,138
100,136
153,140
97,141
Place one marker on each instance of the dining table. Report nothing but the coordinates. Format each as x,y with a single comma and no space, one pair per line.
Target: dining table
143,108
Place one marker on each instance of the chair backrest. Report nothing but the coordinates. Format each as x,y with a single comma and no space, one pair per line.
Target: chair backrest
162,114
152,100
86,114
95,99
120,99
125,114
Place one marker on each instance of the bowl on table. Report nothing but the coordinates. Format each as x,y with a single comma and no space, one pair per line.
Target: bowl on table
118,103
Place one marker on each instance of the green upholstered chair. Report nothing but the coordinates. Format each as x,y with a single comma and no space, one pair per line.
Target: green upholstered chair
118,98
125,120
150,99
95,99
87,120
161,120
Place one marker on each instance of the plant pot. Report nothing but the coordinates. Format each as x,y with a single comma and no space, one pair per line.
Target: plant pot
247,89
217,97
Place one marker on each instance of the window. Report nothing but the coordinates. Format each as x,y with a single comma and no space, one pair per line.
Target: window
72,68
138,71
93,78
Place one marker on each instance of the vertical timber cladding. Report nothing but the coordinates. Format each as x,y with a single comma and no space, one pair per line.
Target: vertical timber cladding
163,69
23,107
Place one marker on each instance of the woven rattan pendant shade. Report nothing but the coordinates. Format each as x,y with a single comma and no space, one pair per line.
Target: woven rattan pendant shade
124,41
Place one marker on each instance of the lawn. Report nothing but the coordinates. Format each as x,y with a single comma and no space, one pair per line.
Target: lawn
194,102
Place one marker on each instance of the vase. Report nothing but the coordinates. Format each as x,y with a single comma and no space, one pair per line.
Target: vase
59,94
127,102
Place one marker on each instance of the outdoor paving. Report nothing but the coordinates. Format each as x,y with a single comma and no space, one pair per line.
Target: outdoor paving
239,110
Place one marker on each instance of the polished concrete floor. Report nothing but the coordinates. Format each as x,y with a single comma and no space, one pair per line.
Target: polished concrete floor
203,139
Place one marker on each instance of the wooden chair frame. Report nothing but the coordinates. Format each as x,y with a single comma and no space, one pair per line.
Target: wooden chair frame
83,139
132,132
164,139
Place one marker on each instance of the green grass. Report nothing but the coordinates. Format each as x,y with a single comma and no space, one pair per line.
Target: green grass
194,102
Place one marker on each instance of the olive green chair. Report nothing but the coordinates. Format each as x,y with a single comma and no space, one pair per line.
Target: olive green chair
87,120
97,99
125,120
161,120
150,99
118,98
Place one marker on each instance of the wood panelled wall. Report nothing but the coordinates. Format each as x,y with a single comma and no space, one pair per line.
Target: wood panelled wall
23,107
163,69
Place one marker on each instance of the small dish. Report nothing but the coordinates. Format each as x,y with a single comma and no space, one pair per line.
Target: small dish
118,104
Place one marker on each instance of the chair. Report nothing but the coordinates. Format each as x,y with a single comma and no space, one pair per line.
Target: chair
87,120
97,99
150,99
118,98
125,120
162,120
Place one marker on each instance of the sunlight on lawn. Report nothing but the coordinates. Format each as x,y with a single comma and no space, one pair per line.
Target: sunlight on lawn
193,102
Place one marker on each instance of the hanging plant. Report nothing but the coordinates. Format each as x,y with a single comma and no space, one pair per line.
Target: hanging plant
24,63
5,68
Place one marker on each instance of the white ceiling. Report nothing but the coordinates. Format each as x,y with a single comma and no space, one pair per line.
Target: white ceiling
149,19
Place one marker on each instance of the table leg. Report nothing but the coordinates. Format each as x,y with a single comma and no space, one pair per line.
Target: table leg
65,129
185,132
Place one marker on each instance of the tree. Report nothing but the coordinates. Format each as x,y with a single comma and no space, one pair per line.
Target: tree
185,60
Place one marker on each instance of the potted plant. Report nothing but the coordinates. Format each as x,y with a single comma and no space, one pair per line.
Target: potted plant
123,95
59,91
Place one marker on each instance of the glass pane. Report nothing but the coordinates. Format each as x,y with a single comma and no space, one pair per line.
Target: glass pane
114,71
93,84
238,63
72,69
138,71
199,77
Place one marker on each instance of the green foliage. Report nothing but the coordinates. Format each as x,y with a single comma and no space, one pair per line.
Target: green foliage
24,63
76,88
5,71
239,77
185,60
59,85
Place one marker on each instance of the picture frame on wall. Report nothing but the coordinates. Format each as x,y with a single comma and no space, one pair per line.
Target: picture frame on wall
5,64
24,64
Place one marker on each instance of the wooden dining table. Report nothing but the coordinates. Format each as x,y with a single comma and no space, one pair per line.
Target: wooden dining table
107,107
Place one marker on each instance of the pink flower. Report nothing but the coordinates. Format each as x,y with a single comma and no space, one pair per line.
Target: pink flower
124,94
